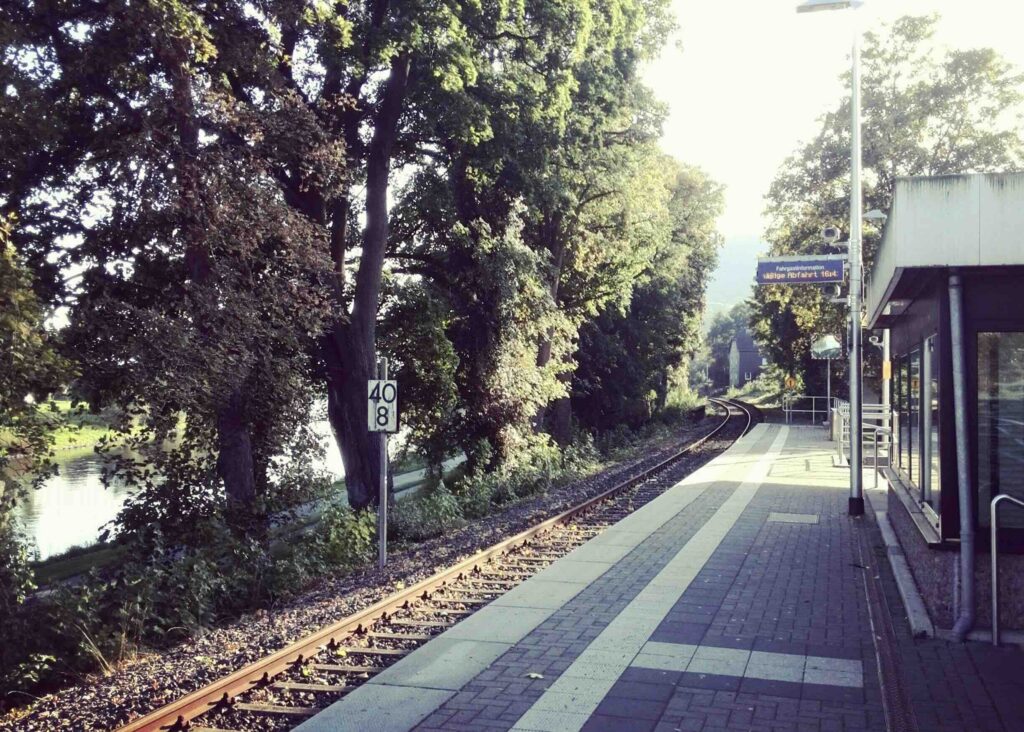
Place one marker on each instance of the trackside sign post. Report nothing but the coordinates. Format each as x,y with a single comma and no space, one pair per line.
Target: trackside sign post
382,403
801,270
382,416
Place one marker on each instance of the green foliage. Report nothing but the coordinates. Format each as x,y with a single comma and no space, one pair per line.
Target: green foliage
347,538
630,359
425,516
539,466
157,595
217,181
723,330
30,370
22,665
424,361
927,110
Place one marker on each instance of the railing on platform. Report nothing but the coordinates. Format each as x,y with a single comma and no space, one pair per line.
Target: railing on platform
795,405
994,549
883,435
876,425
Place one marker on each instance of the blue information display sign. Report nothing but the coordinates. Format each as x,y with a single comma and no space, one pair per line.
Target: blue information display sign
807,270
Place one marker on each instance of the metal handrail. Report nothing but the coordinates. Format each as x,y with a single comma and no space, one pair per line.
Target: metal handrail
875,432
993,520
789,400
843,411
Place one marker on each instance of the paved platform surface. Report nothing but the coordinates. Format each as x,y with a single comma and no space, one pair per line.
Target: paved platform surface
734,601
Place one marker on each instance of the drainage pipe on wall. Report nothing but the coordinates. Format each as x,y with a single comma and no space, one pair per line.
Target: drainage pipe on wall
965,621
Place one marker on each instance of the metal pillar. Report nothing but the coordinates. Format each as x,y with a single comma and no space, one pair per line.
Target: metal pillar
382,499
965,621
856,505
828,391
886,374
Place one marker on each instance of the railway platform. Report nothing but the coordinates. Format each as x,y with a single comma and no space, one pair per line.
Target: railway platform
742,598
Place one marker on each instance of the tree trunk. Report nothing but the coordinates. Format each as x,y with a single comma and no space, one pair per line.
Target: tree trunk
234,459
235,464
360,451
560,419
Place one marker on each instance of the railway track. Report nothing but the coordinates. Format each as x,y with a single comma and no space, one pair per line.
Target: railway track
283,689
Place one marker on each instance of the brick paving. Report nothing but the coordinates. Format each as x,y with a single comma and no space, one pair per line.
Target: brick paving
772,632
955,686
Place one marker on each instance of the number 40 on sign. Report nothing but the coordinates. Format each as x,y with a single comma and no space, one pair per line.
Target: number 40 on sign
382,405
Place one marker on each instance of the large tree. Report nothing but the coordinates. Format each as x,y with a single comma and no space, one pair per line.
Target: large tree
135,129
927,110
630,356
527,228
151,207
29,370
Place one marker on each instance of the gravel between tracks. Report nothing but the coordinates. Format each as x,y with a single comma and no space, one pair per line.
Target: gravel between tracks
156,678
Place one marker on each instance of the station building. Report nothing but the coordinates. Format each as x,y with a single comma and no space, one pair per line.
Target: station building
745,360
948,284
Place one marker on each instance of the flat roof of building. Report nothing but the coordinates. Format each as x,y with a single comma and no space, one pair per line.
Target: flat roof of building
974,220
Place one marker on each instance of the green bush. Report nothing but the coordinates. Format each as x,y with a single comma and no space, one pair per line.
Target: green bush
537,469
582,456
22,662
475,495
347,538
426,516
613,441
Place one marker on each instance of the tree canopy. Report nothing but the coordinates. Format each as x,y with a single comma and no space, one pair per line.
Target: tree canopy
927,110
241,205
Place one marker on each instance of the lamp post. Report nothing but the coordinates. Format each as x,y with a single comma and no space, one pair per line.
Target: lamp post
856,504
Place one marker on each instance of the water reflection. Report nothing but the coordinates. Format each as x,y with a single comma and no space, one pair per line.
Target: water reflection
71,507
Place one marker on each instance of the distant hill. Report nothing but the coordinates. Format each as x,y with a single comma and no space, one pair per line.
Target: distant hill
732,280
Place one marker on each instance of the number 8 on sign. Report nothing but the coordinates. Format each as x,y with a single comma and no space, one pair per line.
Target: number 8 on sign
382,405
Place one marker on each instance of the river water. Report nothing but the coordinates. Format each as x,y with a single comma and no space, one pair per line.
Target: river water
72,507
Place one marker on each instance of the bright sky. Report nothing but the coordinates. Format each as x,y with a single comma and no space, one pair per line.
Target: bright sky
748,79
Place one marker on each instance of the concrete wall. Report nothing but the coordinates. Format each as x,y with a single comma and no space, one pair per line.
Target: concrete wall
936,570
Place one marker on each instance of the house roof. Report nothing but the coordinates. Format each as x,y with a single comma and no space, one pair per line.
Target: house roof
744,342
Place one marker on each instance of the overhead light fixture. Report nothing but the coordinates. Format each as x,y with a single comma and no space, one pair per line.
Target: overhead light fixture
812,6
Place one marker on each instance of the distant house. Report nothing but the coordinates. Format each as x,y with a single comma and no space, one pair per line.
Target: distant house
745,360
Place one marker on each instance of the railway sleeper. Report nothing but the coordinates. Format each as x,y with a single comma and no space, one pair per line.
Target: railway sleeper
342,668
359,650
295,686
459,601
400,636
421,623
277,709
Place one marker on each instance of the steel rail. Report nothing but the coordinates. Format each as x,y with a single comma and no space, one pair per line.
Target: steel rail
178,714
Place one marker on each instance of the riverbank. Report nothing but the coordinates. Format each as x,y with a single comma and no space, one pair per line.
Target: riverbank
78,560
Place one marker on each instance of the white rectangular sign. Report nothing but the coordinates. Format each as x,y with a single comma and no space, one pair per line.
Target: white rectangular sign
382,405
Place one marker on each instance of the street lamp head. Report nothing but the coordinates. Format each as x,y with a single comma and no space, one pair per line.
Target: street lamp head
812,6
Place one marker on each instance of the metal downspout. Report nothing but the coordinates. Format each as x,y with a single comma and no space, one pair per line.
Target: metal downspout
965,621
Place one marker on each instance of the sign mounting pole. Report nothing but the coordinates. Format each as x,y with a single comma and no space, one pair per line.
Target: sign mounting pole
828,392
382,417
382,509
